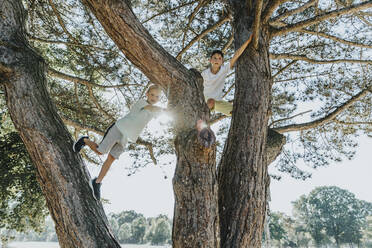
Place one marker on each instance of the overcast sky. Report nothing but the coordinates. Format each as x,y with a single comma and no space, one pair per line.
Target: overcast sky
147,191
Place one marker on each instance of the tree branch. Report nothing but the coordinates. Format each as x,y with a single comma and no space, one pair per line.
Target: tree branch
270,8
228,44
202,34
288,118
314,61
149,146
60,20
169,10
328,15
353,123
191,18
334,38
99,105
257,22
284,68
81,126
217,118
328,118
293,11
302,77
136,43
60,75
359,15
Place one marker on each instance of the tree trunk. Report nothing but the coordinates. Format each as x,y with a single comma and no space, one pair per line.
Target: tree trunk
79,219
195,189
195,222
242,176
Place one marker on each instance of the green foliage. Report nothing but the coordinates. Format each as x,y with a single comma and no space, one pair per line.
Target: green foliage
125,233
73,42
159,231
136,229
22,205
367,232
287,231
333,212
277,231
132,227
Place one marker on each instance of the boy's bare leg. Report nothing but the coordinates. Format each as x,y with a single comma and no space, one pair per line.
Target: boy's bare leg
92,145
105,167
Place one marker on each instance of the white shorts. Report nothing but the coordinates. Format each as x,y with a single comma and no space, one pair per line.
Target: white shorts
112,142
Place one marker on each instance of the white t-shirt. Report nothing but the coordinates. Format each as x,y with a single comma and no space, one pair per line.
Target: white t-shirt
214,83
135,121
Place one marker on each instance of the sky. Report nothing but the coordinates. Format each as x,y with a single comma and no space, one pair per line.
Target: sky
149,193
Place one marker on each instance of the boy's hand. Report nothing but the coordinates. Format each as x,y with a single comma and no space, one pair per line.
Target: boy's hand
210,103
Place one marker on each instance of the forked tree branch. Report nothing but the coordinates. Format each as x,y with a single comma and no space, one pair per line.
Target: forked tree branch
359,15
315,61
270,8
328,15
123,27
326,119
202,34
293,11
191,18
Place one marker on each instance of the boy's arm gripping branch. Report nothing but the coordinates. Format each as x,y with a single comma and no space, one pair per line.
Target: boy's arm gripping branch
240,51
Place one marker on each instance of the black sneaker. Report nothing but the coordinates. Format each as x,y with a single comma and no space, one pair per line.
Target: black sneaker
96,189
79,144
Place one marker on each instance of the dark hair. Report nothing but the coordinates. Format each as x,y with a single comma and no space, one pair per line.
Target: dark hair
217,52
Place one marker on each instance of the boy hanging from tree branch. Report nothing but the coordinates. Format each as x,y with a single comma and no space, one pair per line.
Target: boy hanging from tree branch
117,135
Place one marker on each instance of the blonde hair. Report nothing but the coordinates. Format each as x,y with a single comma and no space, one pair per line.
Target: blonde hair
153,87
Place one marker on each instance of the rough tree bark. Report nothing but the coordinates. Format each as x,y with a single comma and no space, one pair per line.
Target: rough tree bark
242,175
195,185
80,220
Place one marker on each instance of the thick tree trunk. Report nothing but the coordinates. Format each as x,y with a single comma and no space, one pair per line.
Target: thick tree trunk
242,176
79,220
195,186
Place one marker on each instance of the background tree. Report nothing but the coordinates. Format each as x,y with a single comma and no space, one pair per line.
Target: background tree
367,232
335,211
311,60
162,232
125,233
22,204
276,227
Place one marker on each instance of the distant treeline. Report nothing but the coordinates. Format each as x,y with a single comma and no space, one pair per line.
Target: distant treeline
327,217
128,226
